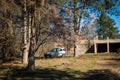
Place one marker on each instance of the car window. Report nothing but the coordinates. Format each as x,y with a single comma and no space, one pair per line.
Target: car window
57,49
60,49
52,50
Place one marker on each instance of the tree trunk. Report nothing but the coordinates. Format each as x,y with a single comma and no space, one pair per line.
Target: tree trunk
25,44
75,28
31,57
74,54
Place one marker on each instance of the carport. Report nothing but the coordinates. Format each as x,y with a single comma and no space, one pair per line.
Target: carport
109,45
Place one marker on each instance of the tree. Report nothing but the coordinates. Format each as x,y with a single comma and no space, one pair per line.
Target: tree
39,18
8,11
68,18
34,14
106,27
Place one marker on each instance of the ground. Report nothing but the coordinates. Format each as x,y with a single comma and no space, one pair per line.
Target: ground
84,67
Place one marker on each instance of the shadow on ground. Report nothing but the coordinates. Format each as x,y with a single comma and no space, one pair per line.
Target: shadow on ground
53,74
103,74
114,59
113,62
39,74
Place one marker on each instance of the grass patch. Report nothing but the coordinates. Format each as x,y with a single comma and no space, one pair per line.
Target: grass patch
85,67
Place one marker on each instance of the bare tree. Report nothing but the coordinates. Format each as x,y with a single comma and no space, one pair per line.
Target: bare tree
8,11
39,25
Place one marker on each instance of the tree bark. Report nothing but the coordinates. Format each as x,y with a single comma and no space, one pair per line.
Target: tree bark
31,57
25,44
32,47
75,28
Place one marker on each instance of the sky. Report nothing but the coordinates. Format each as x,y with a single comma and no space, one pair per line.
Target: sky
117,20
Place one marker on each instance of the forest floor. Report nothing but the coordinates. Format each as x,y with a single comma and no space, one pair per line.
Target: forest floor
85,67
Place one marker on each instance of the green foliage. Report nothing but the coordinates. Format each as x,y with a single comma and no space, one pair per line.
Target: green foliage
106,27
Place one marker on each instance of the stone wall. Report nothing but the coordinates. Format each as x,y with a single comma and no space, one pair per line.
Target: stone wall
82,47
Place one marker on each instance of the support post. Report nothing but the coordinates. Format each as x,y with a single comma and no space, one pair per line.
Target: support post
95,44
95,48
108,45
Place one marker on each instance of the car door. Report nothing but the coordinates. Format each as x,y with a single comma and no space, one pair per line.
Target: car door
56,52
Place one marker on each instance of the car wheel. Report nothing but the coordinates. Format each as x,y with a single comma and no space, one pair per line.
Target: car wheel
45,56
49,56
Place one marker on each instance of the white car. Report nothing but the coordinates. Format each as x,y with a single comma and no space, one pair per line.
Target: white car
56,52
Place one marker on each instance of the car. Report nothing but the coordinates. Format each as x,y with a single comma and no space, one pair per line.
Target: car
55,52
